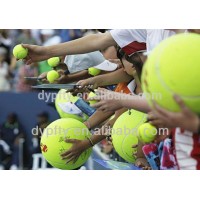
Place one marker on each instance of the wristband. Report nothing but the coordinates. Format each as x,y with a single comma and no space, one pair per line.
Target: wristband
87,124
90,140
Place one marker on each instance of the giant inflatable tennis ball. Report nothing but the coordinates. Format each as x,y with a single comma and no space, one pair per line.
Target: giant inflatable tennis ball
20,52
52,76
61,99
92,94
125,132
173,68
147,133
94,71
53,62
53,142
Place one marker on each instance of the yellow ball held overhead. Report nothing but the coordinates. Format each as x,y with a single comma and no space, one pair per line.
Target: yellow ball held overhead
53,142
173,68
147,133
20,52
52,76
53,62
94,71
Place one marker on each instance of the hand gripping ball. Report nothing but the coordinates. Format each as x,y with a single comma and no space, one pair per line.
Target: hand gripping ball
53,142
125,133
173,68
20,52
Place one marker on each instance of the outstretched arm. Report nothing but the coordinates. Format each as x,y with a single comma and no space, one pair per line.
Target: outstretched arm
111,78
85,44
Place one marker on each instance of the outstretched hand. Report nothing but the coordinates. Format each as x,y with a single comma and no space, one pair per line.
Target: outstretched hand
87,83
35,53
185,119
108,100
78,147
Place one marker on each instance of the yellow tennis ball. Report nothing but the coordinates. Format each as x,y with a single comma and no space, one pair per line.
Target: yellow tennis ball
92,94
52,76
147,133
53,142
62,100
124,133
53,62
173,68
94,71
20,52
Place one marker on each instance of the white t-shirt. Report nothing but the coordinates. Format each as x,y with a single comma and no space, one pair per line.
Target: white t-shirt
124,37
81,62
155,36
187,148
152,37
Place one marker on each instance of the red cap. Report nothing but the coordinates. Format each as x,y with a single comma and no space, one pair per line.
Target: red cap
134,47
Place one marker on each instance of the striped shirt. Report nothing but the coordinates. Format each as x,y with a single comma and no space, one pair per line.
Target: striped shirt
187,149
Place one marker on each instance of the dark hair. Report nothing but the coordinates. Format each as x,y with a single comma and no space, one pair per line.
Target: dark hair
137,62
134,59
120,54
102,30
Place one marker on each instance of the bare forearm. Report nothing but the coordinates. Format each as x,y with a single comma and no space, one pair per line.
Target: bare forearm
97,138
77,76
112,78
102,133
137,103
85,44
97,118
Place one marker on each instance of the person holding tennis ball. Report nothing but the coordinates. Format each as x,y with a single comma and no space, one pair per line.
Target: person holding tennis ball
72,68
95,42
20,52
185,119
78,46
79,146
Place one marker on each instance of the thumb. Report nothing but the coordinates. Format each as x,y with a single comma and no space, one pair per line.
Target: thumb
98,98
134,146
59,79
27,46
80,83
61,72
43,75
181,103
70,140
